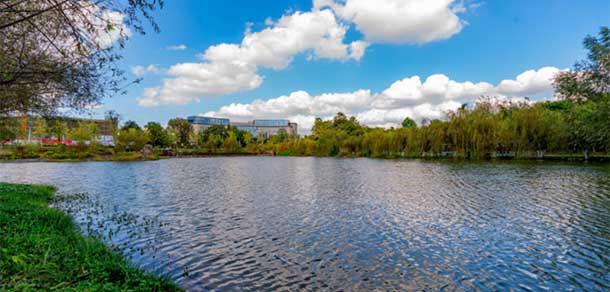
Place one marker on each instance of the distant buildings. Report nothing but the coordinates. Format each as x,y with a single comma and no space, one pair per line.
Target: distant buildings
26,128
255,127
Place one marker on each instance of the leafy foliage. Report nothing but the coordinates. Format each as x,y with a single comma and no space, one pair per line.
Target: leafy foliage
63,53
158,137
182,129
409,123
130,140
131,125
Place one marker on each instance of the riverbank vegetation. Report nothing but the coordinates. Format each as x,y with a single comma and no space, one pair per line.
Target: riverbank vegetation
490,129
575,125
42,250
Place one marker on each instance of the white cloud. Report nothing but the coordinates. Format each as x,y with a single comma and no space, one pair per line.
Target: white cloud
141,70
231,68
193,80
274,47
436,88
530,82
180,47
149,99
409,97
400,21
357,49
268,21
298,103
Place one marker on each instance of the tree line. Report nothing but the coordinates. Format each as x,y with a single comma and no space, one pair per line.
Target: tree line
576,123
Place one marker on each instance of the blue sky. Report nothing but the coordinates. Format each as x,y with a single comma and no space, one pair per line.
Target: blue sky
490,41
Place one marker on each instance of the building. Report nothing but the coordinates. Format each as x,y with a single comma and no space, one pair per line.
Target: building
25,128
255,127
203,123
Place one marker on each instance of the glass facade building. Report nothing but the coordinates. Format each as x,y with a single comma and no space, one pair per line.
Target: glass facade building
271,123
249,129
197,120
255,127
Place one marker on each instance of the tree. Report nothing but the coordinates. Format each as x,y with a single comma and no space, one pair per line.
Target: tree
408,123
182,129
63,53
214,136
281,136
41,130
157,136
590,79
58,129
113,117
130,139
82,134
260,138
230,143
589,85
8,129
247,139
131,125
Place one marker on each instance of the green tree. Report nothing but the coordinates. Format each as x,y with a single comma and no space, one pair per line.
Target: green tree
41,130
82,134
590,79
230,143
58,129
212,135
183,130
131,125
157,136
8,129
130,139
589,85
408,123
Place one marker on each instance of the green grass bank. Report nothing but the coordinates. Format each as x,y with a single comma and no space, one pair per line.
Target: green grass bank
42,250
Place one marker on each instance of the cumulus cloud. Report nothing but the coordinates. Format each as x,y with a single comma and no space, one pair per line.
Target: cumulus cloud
530,82
437,88
357,49
180,47
298,103
319,33
229,68
142,70
400,21
409,97
193,80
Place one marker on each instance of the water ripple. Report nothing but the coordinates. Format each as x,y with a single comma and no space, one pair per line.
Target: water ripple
284,224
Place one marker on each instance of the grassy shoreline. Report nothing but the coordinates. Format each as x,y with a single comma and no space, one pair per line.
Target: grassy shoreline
42,250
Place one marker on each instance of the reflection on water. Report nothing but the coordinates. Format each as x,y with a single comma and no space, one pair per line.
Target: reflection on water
263,223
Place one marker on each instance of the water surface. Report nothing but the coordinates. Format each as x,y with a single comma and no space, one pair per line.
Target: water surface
270,223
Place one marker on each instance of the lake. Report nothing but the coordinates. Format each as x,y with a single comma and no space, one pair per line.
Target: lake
286,223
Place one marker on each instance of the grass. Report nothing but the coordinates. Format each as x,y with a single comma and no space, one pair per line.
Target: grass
42,250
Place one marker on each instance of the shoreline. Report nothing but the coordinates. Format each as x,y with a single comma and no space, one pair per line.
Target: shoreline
108,158
42,249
